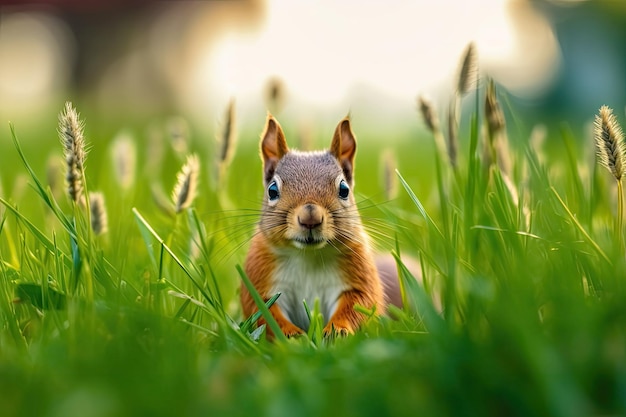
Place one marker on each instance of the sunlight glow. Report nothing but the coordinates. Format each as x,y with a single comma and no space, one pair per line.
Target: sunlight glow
323,49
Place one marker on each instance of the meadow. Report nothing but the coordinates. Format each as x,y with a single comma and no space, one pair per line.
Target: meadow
125,303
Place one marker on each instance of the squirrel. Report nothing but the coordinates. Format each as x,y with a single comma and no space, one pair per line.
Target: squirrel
310,242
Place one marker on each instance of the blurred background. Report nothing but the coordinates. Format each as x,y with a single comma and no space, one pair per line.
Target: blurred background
137,60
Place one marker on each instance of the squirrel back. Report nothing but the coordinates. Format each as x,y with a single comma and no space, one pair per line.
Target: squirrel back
310,243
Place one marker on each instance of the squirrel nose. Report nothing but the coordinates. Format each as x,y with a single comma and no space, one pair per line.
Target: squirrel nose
310,217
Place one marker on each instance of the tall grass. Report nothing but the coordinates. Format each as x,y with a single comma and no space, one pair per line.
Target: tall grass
519,311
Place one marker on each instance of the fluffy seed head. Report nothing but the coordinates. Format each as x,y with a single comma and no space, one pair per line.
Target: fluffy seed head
99,219
187,184
452,144
179,134
610,142
275,95
468,72
73,141
493,111
428,113
227,140
225,145
389,177
124,158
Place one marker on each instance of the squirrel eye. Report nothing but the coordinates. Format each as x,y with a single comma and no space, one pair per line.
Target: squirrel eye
344,190
272,191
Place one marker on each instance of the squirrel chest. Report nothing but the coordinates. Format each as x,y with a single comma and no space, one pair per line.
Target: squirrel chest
304,276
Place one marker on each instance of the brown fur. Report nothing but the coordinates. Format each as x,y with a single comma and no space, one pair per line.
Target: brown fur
309,219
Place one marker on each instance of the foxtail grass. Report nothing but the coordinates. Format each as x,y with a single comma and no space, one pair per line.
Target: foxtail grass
468,71
226,144
178,130
275,95
466,81
73,141
388,164
431,120
611,151
187,184
453,127
124,159
99,218
496,143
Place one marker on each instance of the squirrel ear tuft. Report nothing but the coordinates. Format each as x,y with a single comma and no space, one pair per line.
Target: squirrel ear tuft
343,147
273,146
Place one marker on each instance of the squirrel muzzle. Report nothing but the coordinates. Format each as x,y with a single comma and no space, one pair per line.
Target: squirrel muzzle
309,216
309,226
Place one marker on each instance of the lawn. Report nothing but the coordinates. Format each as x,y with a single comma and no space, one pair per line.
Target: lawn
519,239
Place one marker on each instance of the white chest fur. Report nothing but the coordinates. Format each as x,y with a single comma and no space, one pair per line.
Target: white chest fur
307,275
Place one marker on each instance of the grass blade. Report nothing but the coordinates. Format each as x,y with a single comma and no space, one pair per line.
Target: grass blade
580,227
419,205
39,188
41,237
265,312
148,229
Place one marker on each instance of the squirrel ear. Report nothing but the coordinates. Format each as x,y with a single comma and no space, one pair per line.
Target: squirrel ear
273,146
343,147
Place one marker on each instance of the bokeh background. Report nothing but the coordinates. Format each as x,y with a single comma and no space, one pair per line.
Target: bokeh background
540,325
137,60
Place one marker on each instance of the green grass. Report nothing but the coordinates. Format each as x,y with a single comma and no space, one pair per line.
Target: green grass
527,266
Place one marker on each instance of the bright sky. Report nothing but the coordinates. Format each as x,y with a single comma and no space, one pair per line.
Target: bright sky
401,48
330,54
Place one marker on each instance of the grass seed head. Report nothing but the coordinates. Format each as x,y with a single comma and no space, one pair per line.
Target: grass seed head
468,72
124,158
428,114
452,145
227,140
493,112
73,141
275,95
389,177
225,145
179,134
497,142
187,183
99,219
610,142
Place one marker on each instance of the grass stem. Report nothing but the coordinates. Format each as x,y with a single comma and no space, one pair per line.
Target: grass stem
620,215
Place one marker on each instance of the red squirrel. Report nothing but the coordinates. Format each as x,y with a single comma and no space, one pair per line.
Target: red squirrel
310,242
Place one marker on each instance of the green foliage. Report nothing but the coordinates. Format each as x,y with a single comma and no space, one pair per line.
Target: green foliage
519,309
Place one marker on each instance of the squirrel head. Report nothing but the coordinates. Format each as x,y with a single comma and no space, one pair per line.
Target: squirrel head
308,199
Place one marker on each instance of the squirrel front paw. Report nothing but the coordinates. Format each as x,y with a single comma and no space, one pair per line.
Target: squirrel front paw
291,330
334,328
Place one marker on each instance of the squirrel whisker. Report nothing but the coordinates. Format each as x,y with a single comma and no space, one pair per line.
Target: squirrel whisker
310,242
